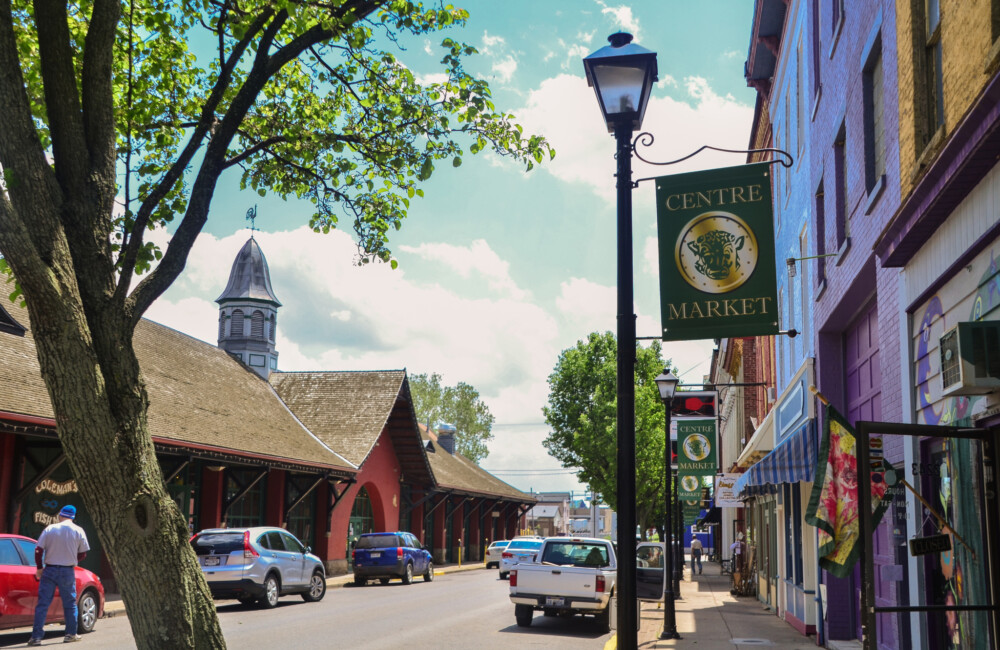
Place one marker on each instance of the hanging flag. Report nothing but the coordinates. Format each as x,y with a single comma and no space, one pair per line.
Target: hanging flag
833,503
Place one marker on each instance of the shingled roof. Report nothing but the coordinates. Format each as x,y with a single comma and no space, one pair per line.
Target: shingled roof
457,473
199,397
349,410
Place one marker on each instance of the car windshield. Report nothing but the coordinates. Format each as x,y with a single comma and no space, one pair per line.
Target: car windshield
592,554
378,541
526,545
217,543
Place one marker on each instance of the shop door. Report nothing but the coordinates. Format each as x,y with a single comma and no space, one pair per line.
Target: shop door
944,505
863,374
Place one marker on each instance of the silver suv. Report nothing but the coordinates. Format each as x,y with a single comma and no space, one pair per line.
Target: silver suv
258,564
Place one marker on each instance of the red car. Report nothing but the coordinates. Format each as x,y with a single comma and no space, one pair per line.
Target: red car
19,589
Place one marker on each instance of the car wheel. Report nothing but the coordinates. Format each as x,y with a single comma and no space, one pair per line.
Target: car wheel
503,575
523,614
429,573
359,581
604,618
317,588
87,609
408,573
272,589
384,581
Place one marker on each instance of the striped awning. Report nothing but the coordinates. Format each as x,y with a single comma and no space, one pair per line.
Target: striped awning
792,461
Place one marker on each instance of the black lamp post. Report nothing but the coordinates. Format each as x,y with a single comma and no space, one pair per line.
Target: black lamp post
622,75
667,383
679,546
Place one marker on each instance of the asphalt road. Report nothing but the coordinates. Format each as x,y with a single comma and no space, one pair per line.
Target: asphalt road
456,610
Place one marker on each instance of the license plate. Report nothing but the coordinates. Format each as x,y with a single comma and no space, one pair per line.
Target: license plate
375,554
212,560
554,602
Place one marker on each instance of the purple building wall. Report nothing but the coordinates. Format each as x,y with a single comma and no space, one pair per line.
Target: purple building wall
855,281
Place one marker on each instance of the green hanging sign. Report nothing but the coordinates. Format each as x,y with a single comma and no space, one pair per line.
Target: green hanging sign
691,511
696,448
716,239
689,487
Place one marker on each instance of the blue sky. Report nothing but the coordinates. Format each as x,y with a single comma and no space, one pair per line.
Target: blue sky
500,270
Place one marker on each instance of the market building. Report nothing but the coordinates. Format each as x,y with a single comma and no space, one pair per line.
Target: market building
327,455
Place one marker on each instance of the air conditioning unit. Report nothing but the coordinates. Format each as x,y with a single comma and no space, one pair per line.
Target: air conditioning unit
770,395
970,358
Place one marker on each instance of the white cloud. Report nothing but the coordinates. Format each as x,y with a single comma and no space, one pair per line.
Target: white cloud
489,42
432,78
505,68
339,316
621,17
666,80
428,48
565,111
478,258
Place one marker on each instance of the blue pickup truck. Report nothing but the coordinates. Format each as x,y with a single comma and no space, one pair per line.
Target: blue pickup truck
390,555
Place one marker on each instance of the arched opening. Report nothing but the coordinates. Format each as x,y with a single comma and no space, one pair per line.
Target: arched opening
257,325
270,334
236,324
362,521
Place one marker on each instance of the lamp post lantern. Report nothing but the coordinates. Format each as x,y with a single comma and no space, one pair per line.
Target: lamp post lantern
622,75
667,383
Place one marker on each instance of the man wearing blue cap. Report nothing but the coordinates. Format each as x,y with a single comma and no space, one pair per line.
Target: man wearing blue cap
63,544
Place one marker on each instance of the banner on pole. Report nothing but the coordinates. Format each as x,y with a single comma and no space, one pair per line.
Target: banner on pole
696,447
716,242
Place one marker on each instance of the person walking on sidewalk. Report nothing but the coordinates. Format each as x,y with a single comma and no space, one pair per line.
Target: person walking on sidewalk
696,549
61,546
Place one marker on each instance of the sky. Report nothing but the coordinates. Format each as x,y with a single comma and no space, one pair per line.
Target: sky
500,270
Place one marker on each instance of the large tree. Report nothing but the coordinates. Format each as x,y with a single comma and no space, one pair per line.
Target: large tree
582,412
119,117
457,405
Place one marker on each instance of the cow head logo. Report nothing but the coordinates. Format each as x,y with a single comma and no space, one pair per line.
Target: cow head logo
716,252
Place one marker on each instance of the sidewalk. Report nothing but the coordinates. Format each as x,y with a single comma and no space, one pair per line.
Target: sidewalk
710,618
113,605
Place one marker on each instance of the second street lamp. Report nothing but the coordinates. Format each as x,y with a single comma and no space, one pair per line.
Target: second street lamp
666,382
622,75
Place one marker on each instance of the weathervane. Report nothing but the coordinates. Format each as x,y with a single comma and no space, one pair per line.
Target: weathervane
251,217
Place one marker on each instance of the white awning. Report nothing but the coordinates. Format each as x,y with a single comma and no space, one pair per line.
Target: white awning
761,442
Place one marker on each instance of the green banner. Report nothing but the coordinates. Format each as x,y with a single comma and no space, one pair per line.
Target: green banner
689,487
696,447
691,511
716,239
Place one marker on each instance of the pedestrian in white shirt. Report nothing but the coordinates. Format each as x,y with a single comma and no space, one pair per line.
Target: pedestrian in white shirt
696,548
61,546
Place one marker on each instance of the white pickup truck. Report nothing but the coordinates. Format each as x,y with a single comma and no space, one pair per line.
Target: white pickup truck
572,575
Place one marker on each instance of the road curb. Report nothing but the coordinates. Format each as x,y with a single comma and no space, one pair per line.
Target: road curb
115,608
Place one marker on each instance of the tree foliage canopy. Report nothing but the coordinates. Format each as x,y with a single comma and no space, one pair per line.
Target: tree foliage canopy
120,117
582,412
457,405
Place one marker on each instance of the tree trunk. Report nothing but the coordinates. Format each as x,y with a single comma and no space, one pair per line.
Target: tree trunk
100,403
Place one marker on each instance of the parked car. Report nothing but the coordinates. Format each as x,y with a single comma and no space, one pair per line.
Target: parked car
390,555
494,551
520,549
19,589
574,576
258,564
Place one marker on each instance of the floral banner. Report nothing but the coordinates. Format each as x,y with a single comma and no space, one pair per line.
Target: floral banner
833,504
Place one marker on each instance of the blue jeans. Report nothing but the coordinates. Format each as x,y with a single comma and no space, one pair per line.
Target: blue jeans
695,557
56,576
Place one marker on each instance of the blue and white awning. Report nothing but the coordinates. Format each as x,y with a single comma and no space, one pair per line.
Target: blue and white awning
792,461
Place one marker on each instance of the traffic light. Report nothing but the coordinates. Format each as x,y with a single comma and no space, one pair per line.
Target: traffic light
673,453
694,403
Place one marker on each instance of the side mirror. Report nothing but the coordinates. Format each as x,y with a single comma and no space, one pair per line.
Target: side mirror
309,549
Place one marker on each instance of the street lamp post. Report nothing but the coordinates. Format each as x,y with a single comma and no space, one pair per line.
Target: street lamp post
679,548
622,75
667,383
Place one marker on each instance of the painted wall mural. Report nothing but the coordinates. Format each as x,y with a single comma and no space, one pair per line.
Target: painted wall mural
932,323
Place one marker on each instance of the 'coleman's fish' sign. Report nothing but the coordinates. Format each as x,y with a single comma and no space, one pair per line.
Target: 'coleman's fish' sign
717,273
